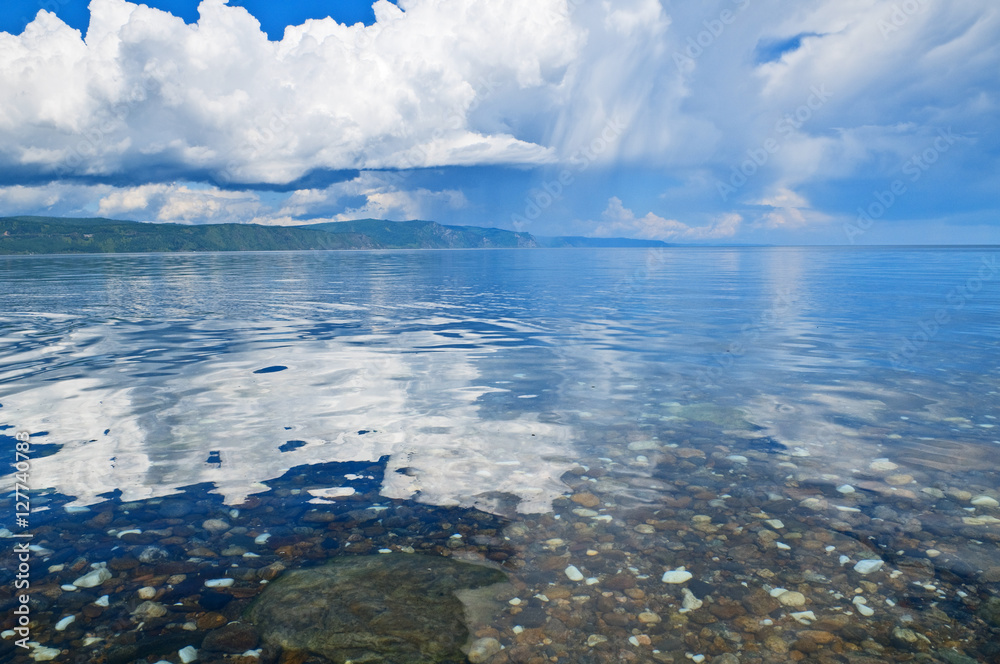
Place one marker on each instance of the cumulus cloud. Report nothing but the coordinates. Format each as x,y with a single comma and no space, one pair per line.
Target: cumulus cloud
142,88
619,221
181,204
381,196
144,99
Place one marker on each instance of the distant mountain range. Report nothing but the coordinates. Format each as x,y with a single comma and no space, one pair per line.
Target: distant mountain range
60,235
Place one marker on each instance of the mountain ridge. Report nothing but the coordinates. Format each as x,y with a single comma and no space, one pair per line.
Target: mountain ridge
21,235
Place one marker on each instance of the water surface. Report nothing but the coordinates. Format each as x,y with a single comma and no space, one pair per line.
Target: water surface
623,411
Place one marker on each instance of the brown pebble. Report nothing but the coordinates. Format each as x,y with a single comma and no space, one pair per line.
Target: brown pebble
211,620
102,519
271,572
819,636
586,499
776,644
91,610
619,582
122,564
831,623
760,603
616,619
727,611
991,575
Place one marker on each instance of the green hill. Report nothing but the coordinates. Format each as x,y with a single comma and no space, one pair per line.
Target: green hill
426,234
52,235
59,235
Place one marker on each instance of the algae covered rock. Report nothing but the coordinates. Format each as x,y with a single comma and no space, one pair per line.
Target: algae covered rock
394,608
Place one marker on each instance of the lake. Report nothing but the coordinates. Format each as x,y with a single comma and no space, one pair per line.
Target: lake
810,433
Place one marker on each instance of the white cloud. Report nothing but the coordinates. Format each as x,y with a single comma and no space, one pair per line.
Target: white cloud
52,199
384,195
146,98
619,221
145,89
180,203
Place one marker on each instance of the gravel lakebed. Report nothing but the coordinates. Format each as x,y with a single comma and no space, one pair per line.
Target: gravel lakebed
664,549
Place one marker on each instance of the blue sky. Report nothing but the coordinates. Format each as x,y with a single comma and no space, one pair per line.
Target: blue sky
730,121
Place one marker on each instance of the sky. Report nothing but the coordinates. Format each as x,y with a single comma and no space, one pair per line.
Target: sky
719,122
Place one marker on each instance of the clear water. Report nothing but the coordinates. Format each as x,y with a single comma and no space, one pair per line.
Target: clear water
698,394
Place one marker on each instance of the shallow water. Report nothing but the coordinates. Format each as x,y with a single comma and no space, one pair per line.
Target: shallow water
750,414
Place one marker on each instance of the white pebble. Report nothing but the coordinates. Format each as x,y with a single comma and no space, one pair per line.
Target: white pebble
262,538
865,610
517,629
187,654
844,560
804,617
515,601
68,588
738,458
219,583
845,489
93,579
985,501
147,592
883,465
102,601
775,523
691,603
866,567
132,531
64,623
783,546
778,591
679,575
792,598
573,574
698,659
40,653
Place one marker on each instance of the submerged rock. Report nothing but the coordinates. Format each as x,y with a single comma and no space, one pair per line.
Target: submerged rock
389,608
